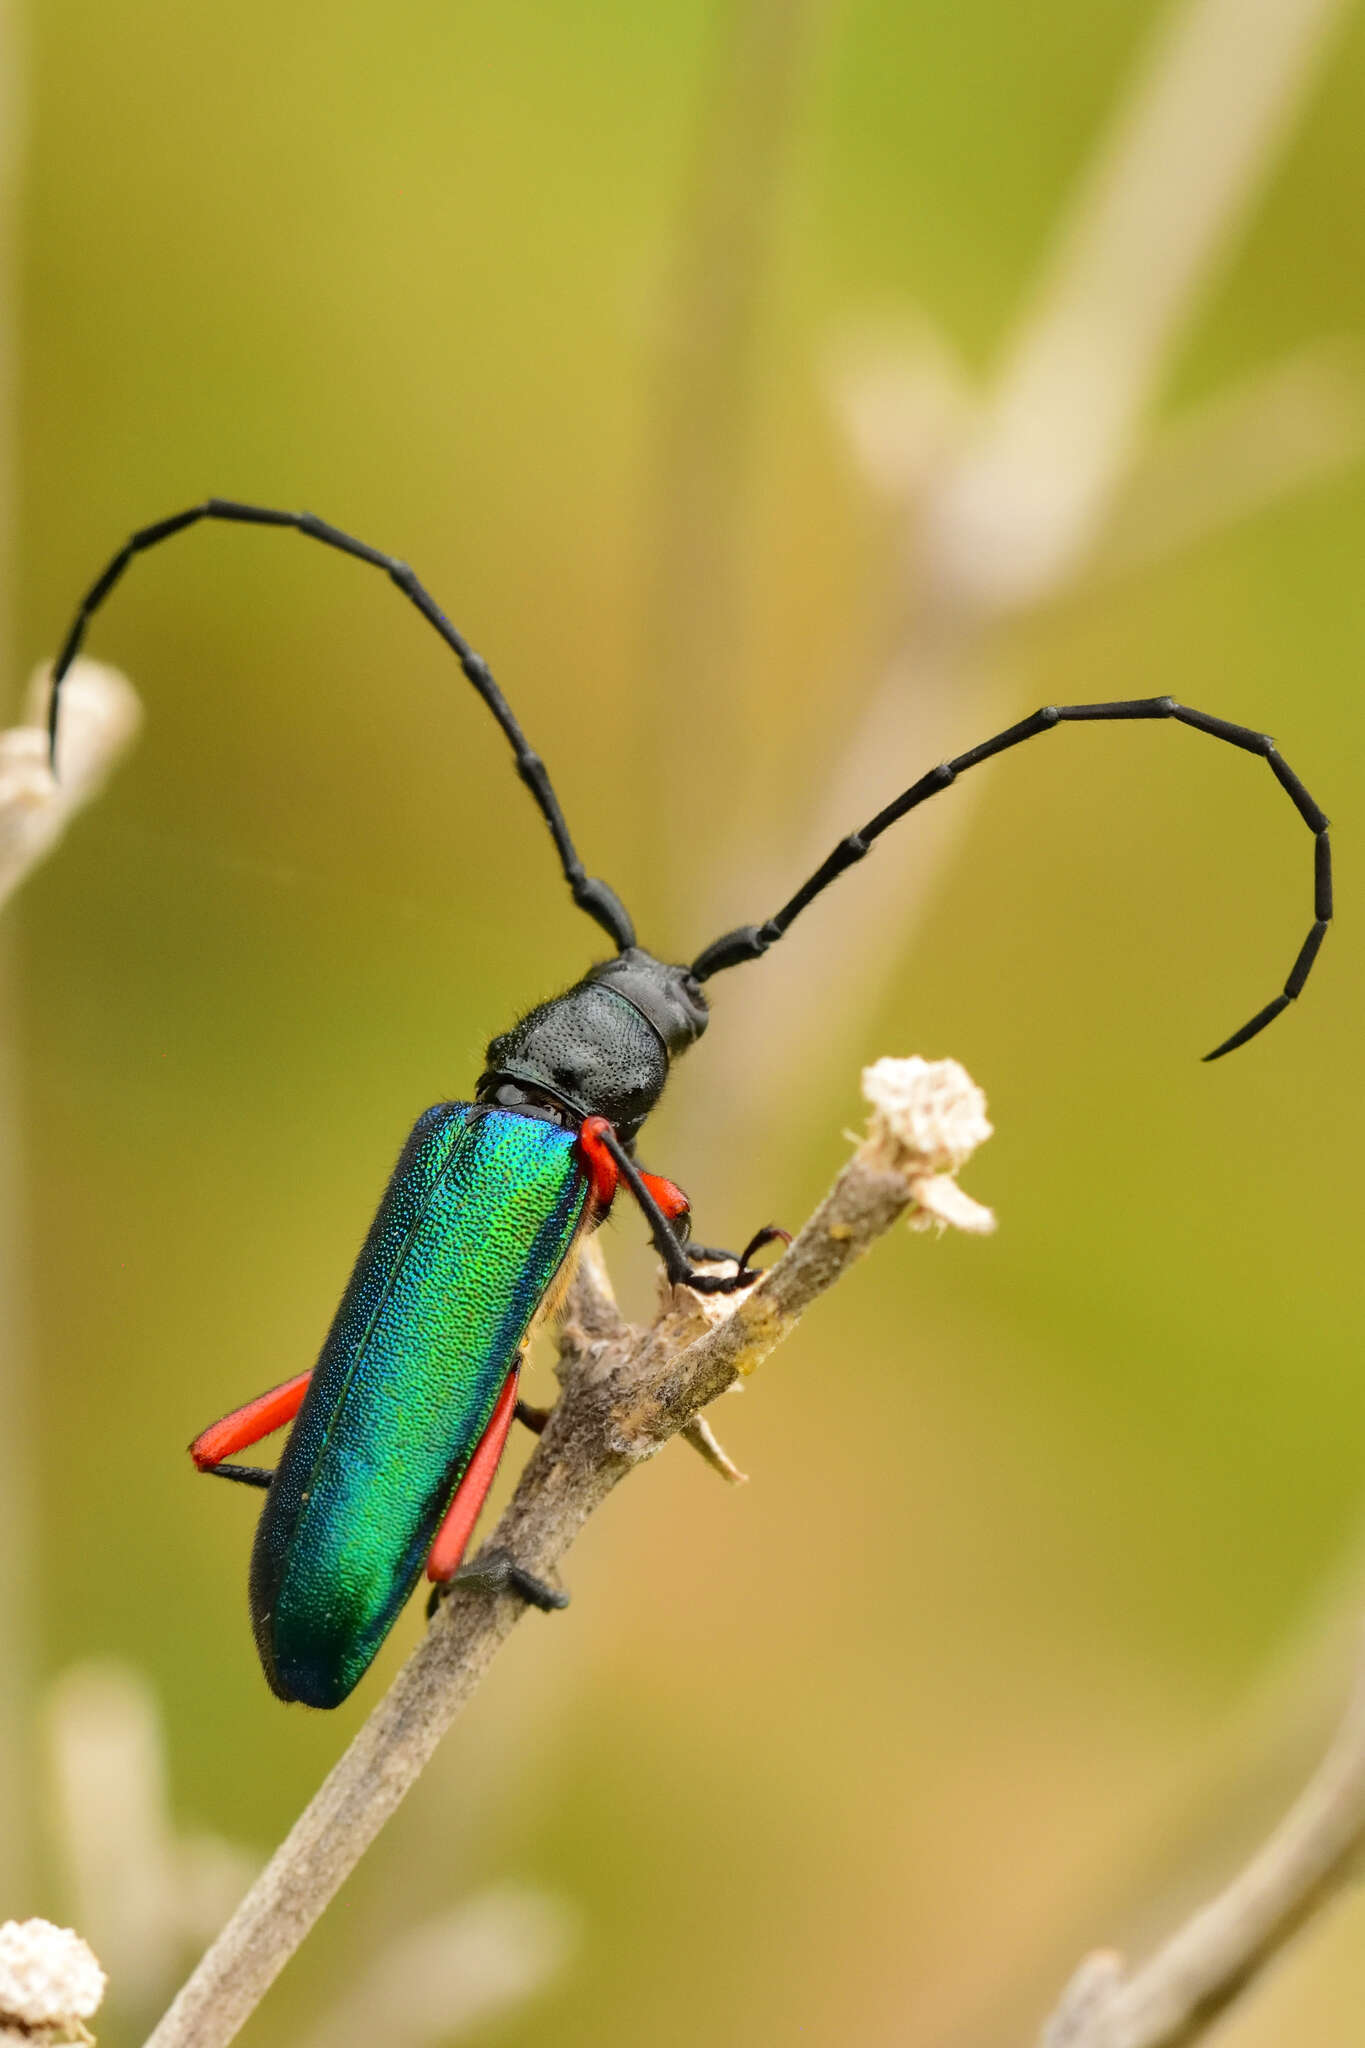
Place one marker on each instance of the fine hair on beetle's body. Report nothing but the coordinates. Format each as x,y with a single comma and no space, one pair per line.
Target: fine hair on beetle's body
559,1108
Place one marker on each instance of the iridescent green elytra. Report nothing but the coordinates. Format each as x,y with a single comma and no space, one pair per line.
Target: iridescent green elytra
479,1216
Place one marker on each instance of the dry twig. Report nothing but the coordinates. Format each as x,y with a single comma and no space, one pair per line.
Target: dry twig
625,1393
1223,1946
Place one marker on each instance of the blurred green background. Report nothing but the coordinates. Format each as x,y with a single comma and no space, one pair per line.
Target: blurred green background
873,1749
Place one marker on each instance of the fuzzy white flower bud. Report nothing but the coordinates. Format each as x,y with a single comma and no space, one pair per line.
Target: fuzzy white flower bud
928,1117
49,1981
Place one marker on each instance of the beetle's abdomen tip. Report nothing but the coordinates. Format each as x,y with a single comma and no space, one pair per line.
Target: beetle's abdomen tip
322,1689
301,1680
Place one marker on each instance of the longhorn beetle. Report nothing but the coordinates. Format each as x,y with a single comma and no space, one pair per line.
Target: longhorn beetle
399,1426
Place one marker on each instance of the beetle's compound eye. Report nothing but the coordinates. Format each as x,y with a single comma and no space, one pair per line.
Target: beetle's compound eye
694,1003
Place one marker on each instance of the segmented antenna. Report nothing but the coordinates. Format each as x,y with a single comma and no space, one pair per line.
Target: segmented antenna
590,894
750,941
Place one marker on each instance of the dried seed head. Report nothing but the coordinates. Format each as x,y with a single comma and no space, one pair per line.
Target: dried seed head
49,1980
928,1117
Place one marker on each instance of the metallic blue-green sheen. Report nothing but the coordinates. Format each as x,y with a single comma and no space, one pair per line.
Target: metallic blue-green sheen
478,1218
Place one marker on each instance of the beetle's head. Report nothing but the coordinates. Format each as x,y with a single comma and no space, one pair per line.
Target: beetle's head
604,1047
669,998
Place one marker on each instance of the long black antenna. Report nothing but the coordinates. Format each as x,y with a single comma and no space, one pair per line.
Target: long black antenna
750,940
600,901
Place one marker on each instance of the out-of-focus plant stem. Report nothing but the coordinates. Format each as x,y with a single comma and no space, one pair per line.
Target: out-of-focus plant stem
17,1546
102,715
707,345
1175,1996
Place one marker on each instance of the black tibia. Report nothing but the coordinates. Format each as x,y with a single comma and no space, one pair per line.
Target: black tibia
532,1418
496,1571
678,1263
588,893
246,1475
713,1255
750,941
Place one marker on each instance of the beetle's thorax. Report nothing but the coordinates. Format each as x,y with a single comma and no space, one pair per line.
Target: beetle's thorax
604,1047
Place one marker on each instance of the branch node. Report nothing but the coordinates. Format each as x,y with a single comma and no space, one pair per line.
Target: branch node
940,1202
699,1433
590,1321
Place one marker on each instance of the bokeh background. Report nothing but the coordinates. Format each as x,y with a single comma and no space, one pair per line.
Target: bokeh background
782,396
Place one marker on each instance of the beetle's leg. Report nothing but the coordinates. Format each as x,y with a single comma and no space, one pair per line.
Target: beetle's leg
452,1538
604,1176
532,1418
602,1170
666,1207
496,1571
246,1426
673,1202
597,1138
711,1255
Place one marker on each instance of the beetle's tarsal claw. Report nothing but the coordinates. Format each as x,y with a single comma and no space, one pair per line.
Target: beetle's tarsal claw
536,1592
744,1274
497,1571
721,1283
531,1417
771,1233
